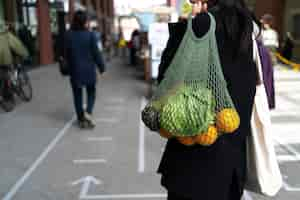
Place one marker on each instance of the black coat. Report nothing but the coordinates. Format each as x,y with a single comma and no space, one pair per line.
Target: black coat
83,57
216,172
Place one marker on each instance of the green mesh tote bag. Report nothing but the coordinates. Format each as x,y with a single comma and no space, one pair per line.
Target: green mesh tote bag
192,102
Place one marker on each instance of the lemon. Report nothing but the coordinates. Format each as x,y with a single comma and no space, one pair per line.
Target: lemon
228,120
187,141
208,138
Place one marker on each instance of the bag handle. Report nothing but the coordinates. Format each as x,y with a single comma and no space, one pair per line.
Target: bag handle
211,30
257,60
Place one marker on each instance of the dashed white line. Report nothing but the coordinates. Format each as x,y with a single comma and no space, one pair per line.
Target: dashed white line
99,139
89,161
141,156
114,108
289,188
125,196
12,192
288,148
288,158
115,100
107,120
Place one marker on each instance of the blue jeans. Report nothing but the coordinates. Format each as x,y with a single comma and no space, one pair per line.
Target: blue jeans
78,99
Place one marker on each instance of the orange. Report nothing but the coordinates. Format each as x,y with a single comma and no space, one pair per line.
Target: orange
228,120
165,134
187,141
207,138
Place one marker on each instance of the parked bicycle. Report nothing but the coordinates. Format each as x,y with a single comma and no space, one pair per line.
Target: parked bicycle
14,81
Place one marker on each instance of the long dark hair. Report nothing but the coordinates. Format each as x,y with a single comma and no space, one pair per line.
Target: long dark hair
79,21
235,19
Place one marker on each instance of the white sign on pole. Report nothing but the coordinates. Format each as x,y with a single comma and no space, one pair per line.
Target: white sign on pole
158,38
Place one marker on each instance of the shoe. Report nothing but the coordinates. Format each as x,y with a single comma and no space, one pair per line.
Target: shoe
90,121
83,124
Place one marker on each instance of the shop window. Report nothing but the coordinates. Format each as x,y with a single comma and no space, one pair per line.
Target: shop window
296,26
1,13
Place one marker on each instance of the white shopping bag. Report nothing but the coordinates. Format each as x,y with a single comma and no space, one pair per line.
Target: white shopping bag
263,173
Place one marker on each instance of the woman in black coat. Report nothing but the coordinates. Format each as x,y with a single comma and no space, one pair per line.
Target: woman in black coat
83,55
216,172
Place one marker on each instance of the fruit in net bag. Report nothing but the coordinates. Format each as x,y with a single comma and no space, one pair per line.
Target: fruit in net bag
188,112
187,141
165,134
208,138
193,93
228,120
150,115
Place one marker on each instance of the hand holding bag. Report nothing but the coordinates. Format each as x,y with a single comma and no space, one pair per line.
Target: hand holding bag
263,173
63,64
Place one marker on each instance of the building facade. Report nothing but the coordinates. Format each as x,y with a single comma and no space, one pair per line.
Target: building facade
40,16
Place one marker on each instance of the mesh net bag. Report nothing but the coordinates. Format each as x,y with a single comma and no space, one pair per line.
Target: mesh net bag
193,96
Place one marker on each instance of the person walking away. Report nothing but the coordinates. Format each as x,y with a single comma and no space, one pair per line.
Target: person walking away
135,46
270,36
216,172
11,50
288,46
82,55
27,39
266,64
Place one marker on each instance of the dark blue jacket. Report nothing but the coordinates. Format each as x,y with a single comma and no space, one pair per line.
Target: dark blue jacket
83,55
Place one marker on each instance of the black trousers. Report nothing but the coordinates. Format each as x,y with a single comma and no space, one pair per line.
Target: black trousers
7,92
173,196
234,194
78,99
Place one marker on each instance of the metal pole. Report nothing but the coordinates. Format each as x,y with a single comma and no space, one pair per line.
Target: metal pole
27,12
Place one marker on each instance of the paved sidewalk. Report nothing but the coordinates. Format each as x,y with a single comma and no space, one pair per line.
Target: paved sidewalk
45,156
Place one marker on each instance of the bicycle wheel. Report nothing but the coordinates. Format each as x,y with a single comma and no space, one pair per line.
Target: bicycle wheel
8,105
7,101
24,84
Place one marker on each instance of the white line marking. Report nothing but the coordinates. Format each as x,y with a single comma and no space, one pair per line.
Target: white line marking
115,100
99,139
124,196
114,108
12,192
289,188
86,183
141,156
247,196
288,148
89,161
107,120
288,158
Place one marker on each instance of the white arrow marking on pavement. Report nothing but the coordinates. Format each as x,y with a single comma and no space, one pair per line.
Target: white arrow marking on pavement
89,161
39,160
99,139
141,156
124,196
86,183
107,120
